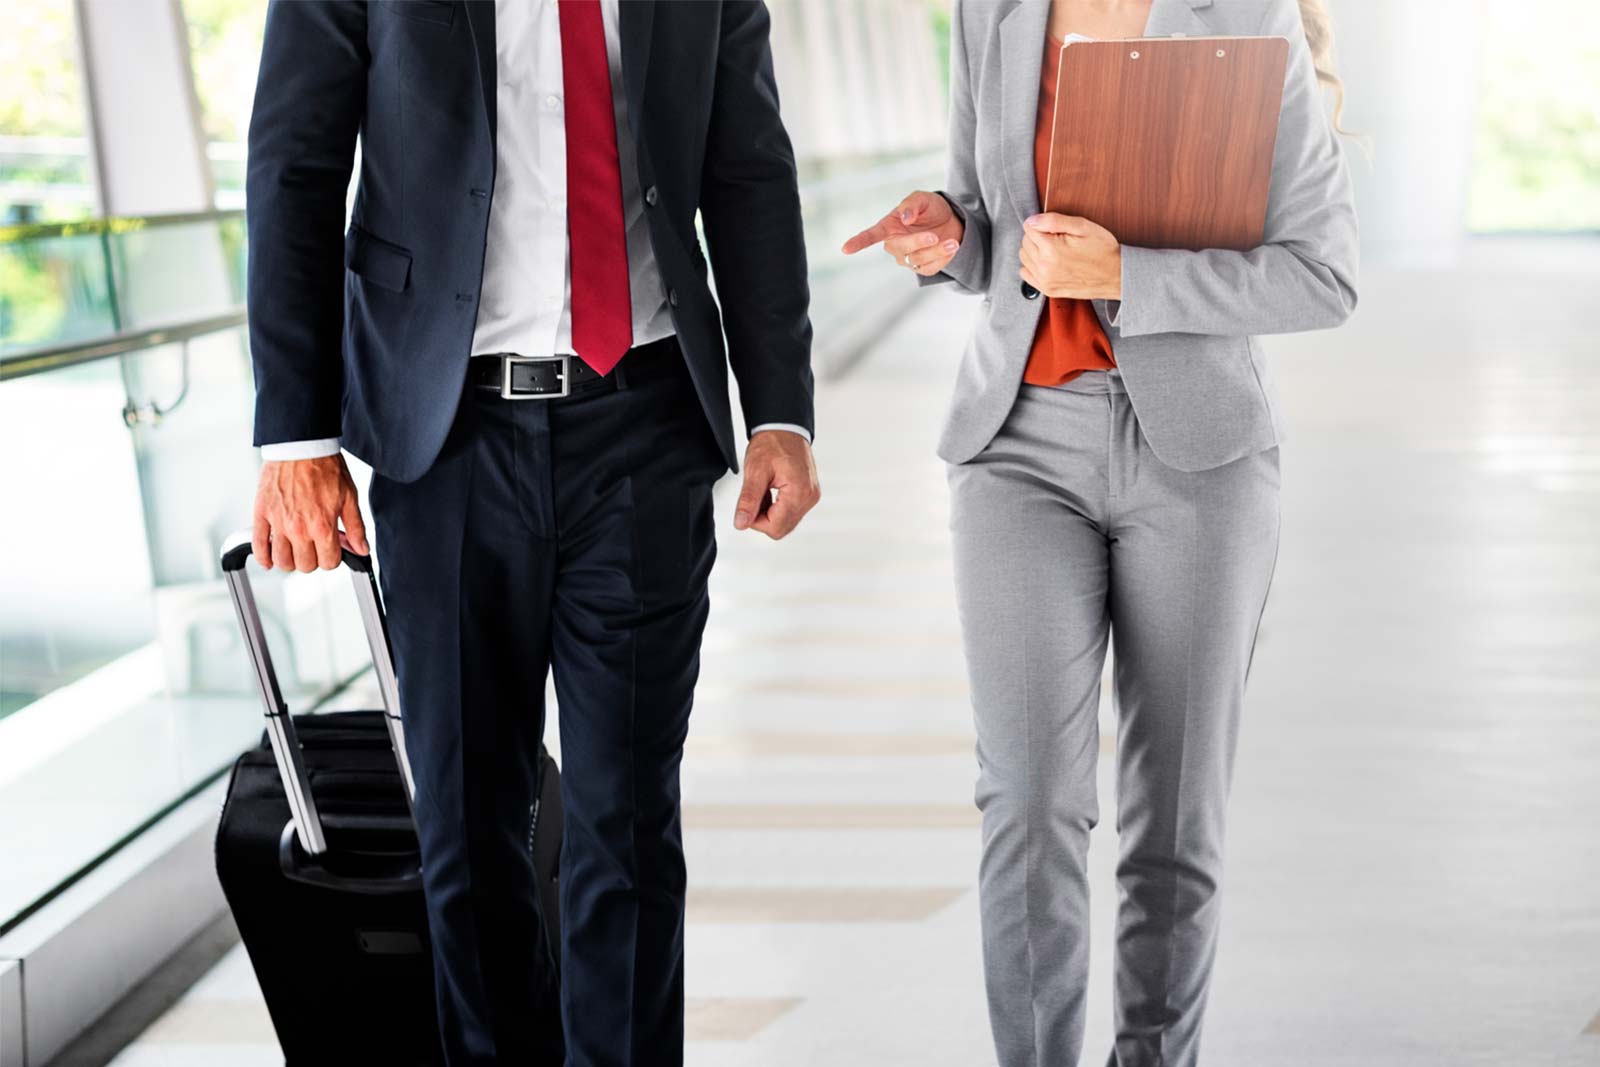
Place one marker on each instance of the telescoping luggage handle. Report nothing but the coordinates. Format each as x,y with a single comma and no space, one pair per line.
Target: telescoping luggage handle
280,725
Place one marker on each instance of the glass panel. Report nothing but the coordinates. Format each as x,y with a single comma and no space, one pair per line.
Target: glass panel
178,270
125,681
44,163
1538,146
75,585
54,287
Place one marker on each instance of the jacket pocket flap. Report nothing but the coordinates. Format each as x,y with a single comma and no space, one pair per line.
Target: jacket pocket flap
378,261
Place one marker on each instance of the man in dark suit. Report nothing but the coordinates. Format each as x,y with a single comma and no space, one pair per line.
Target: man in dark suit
517,333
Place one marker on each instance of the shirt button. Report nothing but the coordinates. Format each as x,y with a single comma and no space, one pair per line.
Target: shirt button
552,102
672,297
650,196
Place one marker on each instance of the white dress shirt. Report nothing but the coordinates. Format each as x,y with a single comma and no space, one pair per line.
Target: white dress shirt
526,303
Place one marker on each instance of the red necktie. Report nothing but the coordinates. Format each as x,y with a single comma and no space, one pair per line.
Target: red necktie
602,310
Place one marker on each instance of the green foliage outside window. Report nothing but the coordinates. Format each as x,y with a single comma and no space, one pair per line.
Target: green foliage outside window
1537,165
44,172
224,51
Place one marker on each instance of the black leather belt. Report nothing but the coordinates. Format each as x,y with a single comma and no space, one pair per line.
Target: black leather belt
517,377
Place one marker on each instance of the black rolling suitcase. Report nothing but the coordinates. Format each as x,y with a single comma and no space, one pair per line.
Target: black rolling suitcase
317,855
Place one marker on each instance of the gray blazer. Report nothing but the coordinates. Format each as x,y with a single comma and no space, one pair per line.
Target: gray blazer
1184,332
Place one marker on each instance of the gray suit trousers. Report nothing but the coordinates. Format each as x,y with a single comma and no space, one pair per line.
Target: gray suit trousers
1067,527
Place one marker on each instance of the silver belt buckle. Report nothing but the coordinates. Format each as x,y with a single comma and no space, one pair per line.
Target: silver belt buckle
507,362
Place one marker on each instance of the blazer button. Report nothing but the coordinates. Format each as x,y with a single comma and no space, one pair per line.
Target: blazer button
1029,292
650,196
672,297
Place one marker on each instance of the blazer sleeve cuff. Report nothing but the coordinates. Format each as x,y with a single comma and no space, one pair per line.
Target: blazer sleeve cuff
1141,280
966,268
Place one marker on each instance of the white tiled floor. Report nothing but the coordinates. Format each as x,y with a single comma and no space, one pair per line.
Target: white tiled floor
1413,848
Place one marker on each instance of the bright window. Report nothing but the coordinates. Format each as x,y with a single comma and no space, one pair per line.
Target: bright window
1538,137
224,52
44,163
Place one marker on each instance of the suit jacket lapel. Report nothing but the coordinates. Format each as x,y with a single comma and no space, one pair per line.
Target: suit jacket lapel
480,21
636,20
1022,34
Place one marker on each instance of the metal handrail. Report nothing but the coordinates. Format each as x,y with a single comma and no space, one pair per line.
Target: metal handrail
40,359
114,224
71,353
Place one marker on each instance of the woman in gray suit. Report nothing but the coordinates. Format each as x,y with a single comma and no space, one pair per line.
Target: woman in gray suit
1113,468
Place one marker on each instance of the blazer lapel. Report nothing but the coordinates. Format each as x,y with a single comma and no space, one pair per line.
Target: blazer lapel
480,21
636,21
1022,39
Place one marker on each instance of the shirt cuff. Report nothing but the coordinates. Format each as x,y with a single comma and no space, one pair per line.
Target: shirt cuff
284,450
789,426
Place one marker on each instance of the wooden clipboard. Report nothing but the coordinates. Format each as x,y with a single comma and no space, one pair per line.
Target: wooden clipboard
1167,141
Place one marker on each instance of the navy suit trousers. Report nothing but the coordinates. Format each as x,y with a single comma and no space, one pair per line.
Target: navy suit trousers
571,536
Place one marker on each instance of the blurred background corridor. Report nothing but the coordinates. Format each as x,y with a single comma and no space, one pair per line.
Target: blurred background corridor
1413,847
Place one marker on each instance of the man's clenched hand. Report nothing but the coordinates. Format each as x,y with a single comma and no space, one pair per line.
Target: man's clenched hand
299,504
781,460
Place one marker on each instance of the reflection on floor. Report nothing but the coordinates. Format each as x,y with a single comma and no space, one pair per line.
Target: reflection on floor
1413,851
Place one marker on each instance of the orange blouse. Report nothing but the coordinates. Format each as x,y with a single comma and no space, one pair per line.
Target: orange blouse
1070,339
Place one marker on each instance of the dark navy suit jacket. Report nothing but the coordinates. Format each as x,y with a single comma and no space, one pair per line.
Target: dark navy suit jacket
365,334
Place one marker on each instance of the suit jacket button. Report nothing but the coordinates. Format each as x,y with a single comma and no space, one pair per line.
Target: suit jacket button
672,297
651,196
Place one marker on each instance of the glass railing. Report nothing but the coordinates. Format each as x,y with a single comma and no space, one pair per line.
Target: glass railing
62,283
124,680
125,463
